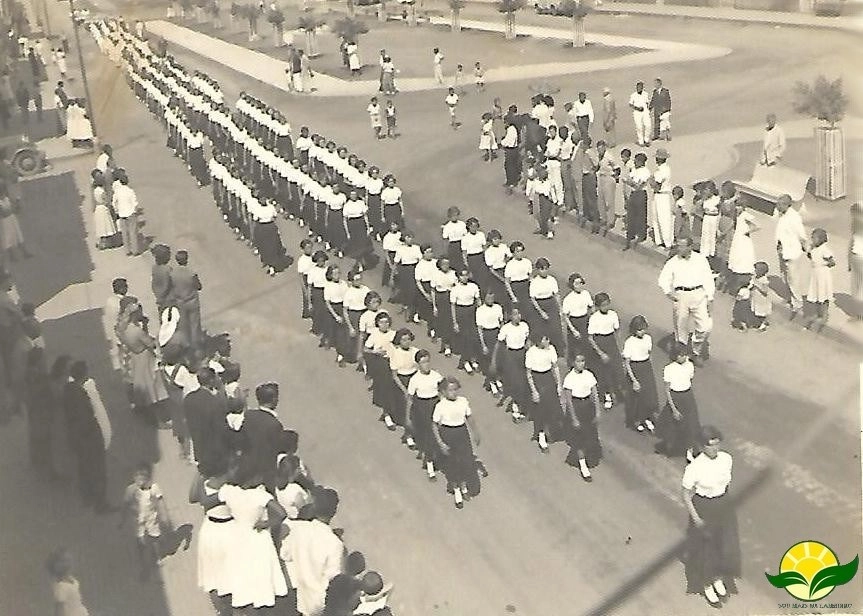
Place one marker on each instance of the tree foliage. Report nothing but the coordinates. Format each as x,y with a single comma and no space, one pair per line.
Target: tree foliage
823,100
275,15
456,5
510,7
309,22
578,9
349,28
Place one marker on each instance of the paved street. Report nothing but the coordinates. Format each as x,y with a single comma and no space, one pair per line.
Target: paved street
537,540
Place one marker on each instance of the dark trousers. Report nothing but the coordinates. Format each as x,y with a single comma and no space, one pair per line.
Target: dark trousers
583,123
512,166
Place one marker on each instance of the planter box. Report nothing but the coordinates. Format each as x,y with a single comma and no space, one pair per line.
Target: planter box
830,168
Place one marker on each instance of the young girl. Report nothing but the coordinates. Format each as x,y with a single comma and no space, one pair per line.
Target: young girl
479,77
422,397
516,276
402,366
356,219
374,187
464,297
679,426
606,363
336,331
576,309
443,280
456,435
365,326
458,79
424,274
682,225
642,402
473,252
452,231
145,502
741,313
496,256
391,202
380,338
821,280
451,101
317,280
487,140
390,244
489,318
354,306
406,258
582,410
545,301
760,301
390,112
636,204
64,586
336,233
544,385
215,536
292,486
514,337
304,266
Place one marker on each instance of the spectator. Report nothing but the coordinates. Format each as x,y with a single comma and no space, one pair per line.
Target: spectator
125,203
791,246
64,586
773,148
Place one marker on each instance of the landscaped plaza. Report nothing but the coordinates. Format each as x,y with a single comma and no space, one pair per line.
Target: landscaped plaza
559,493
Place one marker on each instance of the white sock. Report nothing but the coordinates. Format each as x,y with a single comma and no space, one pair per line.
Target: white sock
493,387
515,410
388,421
719,585
410,442
430,469
582,465
543,443
459,500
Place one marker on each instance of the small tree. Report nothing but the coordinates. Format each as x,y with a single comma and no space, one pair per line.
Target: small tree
824,100
577,10
213,9
253,13
309,24
455,7
277,20
185,7
509,8
236,12
201,10
349,29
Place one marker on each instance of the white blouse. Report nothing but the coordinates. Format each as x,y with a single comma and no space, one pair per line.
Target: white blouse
540,360
579,384
334,292
517,270
425,386
543,288
577,304
489,317
514,336
464,294
425,271
453,230
444,281
402,361
379,341
408,255
317,277
451,413
708,477
355,297
637,349
355,208
367,321
497,256
374,186
603,324
679,377
391,195
304,264
473,243
391,241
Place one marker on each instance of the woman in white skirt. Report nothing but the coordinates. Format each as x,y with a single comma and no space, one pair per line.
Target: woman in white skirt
487,140
11,238
741,255
253,573
78,127
103,219
710,224
354,65
215,539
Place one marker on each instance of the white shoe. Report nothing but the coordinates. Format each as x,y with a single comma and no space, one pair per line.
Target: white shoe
447,352
543,442
409,441
550,235
430,470
515,410
416,318
649,425
475,365
710,595
467,368
640,427
493,387
608,403
432,333
719,586
389,421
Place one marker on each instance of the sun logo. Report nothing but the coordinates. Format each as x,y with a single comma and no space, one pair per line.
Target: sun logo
809,571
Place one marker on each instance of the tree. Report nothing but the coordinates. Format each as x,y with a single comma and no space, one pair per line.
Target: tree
349,29
309,24
201,10
253,13
577,10
824,100
509,8
277,19
455,7
237,11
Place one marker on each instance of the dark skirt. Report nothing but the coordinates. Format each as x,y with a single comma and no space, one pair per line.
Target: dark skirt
521,290
478,270
319,310
540,327
308,211
713,551
459,464
496,286
589,197
443,320
392,214
465,342
336,235
396,400
546,414
269,245
350,351
337,333
455,256
424,306
636,215
584,438
376,213
574,345
407,285
514,375
609,376
642,404
678,436
422,410
378,369
359,243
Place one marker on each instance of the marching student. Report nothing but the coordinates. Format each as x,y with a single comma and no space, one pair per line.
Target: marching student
514,337
517,275
544,384
452,231
642,402
317,280
422,397
473,252
496,256
581,406
391,202
401,355
576,309
390,244
336,323
678,425
407,255
336,227
464,297
443,280
356,220
304,266
380,339
374,186
606,362
366,324
489,319
424,273
456,435
545,301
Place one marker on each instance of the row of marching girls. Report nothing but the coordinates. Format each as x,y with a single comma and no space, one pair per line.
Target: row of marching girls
436,420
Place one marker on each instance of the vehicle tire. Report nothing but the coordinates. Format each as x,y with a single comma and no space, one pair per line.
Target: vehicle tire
28,161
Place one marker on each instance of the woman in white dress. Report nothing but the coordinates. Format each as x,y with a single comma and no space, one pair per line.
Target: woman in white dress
78,127
354,65
741,255
253,574
215,539
103,220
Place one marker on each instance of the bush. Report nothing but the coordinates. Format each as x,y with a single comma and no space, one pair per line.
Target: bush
823,100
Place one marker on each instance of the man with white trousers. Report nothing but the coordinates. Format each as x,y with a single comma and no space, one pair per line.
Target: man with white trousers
639,102
663,206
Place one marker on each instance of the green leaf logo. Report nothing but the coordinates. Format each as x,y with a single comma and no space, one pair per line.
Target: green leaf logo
833,576
786,579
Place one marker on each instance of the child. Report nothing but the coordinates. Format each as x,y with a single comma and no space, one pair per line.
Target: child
821,280
374,110
457,78
451,101
304,265
374,593
65,587
355,565
741,313
391,119
529,185
760,298
479,77
682,228
144,500
292,488
487,141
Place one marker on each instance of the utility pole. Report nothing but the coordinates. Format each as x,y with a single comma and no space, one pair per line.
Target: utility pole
83,68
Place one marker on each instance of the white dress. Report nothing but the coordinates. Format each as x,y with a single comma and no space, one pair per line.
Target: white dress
741,255
103,221
215,546
78,127
253,573
353,57
821,278
486,139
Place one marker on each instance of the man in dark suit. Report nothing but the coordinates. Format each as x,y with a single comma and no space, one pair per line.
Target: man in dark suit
205,410
660,103
265,435
185,287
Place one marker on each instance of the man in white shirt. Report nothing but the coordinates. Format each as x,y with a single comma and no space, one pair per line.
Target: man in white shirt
552,162
125,203
686,278
791,246
511,157
663,211
639,102
773,148
438,66
581,115
313,554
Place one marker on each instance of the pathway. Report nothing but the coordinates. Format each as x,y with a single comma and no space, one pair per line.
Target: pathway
265,68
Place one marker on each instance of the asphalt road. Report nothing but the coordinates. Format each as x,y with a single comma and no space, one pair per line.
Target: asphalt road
537,540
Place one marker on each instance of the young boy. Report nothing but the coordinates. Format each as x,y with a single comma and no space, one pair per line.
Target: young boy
458,78
391,119
374,110
144,501
451,103
374,594
479,77
761,303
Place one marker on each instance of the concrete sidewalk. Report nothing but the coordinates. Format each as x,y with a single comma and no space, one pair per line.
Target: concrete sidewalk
271,70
